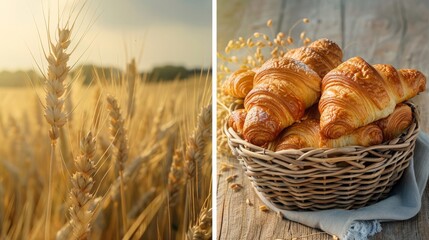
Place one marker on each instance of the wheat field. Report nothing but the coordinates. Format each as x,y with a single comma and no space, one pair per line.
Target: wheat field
121,158
161,197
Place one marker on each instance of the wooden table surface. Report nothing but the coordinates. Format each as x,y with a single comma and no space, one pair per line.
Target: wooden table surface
388,31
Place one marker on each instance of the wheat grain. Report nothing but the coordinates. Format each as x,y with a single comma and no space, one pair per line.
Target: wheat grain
236,187
224,167
263,208
231,178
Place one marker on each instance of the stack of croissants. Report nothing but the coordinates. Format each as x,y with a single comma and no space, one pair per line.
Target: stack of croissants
311,98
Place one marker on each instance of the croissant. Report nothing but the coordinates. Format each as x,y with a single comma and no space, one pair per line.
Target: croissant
397,122
300,135
283,89
365,136
307,134
355,94
236,120
322,56
239,83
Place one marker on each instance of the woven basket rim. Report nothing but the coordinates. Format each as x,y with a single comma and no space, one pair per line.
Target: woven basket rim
399,142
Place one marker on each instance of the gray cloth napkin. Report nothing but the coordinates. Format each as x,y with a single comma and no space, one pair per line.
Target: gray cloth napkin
403,203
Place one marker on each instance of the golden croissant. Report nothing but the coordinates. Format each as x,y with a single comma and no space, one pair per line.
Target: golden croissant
236,120
355,94
365,136
239,83
283,89
322,56
397,122
307,134
300,135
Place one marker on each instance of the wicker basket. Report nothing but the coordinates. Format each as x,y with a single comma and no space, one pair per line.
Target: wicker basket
321,178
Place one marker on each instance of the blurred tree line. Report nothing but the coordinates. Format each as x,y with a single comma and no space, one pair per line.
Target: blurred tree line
163,73
19,78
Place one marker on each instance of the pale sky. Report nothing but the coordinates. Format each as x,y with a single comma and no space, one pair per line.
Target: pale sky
170,31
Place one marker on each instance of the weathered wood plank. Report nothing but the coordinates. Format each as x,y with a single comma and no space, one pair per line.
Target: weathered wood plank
415,53
392,31
372,30
324,19
243,18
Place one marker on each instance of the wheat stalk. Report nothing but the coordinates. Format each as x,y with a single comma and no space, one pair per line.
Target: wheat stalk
54,108
82,183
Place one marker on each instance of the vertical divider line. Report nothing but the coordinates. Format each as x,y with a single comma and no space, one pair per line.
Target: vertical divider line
343,24
214,119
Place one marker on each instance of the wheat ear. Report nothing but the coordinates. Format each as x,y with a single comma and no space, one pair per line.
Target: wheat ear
54,84
198,141
194,156
54,108
131,76
202,230
118,133
175,176
81,210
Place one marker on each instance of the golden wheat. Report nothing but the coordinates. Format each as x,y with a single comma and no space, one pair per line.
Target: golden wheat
81,195
54,84
139,173
54,102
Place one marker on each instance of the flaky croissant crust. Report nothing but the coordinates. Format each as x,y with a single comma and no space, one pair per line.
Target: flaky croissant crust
300,135
286,68
307,134
239,83
397,122
365,136
283,89
356,94
236,120
321,55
